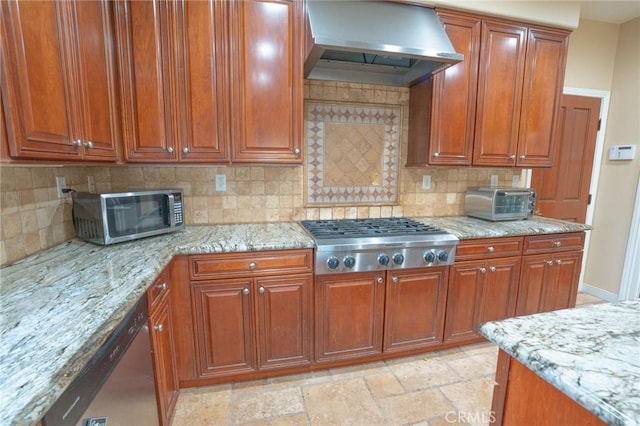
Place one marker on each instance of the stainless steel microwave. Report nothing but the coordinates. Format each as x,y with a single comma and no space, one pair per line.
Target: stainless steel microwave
496,203
114,217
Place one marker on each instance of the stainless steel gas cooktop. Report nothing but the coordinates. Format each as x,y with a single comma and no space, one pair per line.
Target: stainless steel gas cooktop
357,245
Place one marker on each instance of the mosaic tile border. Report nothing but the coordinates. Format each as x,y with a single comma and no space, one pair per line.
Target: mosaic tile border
316,115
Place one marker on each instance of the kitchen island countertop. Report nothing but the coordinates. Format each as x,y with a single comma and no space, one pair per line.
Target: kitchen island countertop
591,353
59,305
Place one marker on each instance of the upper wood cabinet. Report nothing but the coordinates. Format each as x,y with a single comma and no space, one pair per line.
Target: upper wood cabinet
496,108
267,80
172,67
59,80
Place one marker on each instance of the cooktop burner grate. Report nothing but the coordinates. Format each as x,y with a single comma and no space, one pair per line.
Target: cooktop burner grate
393,226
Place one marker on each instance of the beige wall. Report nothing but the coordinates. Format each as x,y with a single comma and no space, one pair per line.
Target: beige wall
591,56
618,179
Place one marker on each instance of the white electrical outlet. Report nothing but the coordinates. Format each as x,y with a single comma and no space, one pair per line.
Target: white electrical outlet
91,184
61,182
515,181
426,182
221,183
494,180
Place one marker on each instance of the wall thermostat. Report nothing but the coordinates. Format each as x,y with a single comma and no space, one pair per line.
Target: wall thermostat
622,152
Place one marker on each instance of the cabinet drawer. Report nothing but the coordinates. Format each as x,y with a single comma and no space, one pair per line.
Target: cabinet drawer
553,242
487,248
252,263
158,289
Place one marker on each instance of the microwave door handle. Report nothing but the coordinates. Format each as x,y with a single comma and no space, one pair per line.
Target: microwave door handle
172,212
514,193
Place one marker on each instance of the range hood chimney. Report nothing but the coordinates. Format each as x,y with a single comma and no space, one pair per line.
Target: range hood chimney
376,42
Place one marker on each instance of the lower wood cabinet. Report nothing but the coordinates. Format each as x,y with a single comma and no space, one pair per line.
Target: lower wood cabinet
163,347
550,276
369,313
254,316
549,282
480,291
349,315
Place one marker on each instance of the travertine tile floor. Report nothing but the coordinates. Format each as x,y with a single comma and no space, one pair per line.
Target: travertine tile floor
453,386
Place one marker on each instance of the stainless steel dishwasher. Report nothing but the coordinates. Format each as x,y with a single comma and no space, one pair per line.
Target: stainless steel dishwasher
116,387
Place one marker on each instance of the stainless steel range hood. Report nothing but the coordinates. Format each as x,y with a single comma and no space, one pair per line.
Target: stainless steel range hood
376,42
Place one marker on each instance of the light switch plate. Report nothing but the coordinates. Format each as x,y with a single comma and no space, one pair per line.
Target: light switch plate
61,182
221,182
515,181
426,182
494,180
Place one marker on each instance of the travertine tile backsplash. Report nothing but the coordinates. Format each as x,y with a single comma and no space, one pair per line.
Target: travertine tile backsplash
32,218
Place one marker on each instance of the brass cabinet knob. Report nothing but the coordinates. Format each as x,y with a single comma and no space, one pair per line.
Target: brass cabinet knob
261,290
158,327
185,150
170,150
483,270
245,291
89,144
252,265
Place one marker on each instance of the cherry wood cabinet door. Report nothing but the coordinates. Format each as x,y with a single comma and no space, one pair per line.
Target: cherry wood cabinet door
536,271
549,282
266,49
562,291
59,93
464,299
200,40
349,311
446,136
415,305
224,334
164,350
283,307
145,73
500,81
500,289
542,95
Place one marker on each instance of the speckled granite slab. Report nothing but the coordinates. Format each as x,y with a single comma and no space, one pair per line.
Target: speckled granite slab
57,307
591,353
465,227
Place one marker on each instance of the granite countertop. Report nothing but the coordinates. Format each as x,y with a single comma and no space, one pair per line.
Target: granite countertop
591,353
58,306
465,227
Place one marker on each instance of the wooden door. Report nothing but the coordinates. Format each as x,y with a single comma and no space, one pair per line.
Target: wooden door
454,95
500,289
164,350
200,42
537,270
266,50
349,315
38,91
283,307
563,190
149,130
561,292
543,80
500,80
415,305
224,327
443,109
98,105
464,297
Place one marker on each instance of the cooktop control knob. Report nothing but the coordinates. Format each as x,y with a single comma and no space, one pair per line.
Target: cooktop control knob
333,262
443,255
349,261
383,260
398,258
429,257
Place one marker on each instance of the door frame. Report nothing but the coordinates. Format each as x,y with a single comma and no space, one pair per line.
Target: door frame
595,174
629,289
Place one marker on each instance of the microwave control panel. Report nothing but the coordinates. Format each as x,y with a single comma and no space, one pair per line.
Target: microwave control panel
177,209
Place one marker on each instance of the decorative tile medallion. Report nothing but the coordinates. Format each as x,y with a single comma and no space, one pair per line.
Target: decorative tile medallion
352,154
